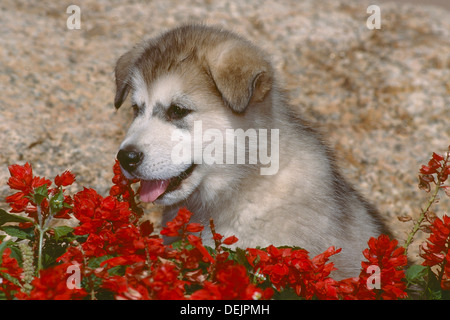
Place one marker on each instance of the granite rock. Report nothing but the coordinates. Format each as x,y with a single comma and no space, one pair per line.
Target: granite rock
381,97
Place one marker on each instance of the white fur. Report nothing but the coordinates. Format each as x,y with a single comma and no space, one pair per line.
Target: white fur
306,203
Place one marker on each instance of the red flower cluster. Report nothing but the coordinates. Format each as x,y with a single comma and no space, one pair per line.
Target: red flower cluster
52,285
180,225
231,282
390,260
182,268
121,185
118,257
287,267
435,166
438,165
113,231
310,278
26,200
122,189
9,267
22,179
106,221
139,283
436,251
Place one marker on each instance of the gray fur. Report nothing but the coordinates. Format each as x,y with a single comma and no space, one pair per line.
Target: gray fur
229,83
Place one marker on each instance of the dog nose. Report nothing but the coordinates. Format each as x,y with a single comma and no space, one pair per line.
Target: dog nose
129,158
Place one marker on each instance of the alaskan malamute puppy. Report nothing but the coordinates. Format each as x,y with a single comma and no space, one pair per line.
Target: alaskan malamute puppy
213,132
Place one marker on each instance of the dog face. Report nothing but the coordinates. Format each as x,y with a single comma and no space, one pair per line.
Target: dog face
187,75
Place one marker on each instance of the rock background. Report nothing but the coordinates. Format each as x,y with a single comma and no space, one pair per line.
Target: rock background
382,97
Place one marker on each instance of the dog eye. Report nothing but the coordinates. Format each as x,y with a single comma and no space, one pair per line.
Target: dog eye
135,108
176,112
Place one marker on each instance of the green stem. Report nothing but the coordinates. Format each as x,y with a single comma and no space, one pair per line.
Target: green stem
431,200
41,239
40,246
421,217
42,228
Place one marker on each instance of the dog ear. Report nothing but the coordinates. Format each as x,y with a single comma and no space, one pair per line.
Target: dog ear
241,74
123,74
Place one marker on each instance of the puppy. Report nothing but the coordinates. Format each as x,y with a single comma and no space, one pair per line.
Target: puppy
213,132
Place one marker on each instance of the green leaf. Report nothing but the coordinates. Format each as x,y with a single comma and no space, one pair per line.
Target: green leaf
416,274
15,251
95,262
241,257
61,231
8,217
434,291
67,206
17,232
57,202
10,278
40,193
116,271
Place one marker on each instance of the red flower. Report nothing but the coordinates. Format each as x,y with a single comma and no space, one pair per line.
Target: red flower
24,201
52,285
117,284
155,248
165,283
436,250
194,227
65,212
106,221
436,165
433,165
162,283
123,260
437,246
22,179
231,282
9,266
210,291
179,225
121,185
287,267
348,288
65,179
390,260
122,190
230,240
146,228
72,254
139,265
197,242
85,204
234,282
18,202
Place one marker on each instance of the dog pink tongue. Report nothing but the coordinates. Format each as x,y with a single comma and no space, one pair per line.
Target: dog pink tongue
152,189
